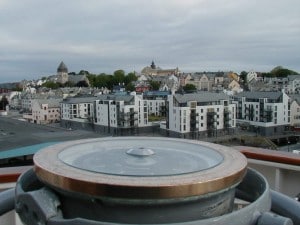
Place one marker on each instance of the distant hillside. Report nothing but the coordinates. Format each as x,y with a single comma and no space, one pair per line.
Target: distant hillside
9,86
279,71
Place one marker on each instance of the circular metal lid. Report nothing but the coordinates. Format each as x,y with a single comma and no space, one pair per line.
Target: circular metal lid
140,167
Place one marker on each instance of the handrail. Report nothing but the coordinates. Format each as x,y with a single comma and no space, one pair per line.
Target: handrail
269,155
11,174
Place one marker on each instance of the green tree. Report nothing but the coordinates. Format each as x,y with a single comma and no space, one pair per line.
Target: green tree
189,88
154,85
244,82
243,76
3,103
130,87
129,78
51,84
101,80
119,77
279,71
17,88
84,72
92,79
82,83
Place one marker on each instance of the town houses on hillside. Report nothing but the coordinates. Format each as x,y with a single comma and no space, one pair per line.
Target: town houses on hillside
217,104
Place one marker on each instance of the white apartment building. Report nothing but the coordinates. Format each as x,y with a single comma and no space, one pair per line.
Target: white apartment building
77,110
267,113
114,114
156,102
155,107
290,84
44,111
120,113
200,114
26,104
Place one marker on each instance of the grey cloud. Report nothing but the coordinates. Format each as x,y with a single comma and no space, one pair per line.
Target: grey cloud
102,36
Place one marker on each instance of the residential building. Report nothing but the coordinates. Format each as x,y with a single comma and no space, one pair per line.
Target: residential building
200,115
251,76
295,111
15,100
142,87
119,112
233,76
184,78
233,86
294,84
44,111
202,82
290,84
169,83
77,111
156,102
267,113
115,114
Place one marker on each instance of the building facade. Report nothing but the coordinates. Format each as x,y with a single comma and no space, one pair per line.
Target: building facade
295,111
77,112
200,115
117,114
267,113
44,111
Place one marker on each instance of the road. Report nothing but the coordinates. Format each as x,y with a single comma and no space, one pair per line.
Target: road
15,133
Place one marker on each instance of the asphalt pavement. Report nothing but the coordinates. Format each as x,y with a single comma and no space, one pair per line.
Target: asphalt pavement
15,133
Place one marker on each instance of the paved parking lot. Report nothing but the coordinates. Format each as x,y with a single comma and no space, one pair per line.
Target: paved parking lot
15,133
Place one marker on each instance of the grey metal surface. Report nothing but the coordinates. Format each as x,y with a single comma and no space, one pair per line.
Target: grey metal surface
254,186
286,206
141,157
7,201
273,219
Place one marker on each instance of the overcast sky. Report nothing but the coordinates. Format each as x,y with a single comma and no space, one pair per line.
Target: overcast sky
103,36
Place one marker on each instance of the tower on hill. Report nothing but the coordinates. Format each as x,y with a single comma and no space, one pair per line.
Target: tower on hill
62,73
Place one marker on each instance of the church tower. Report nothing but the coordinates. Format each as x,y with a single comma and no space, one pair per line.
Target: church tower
153,66
62,73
